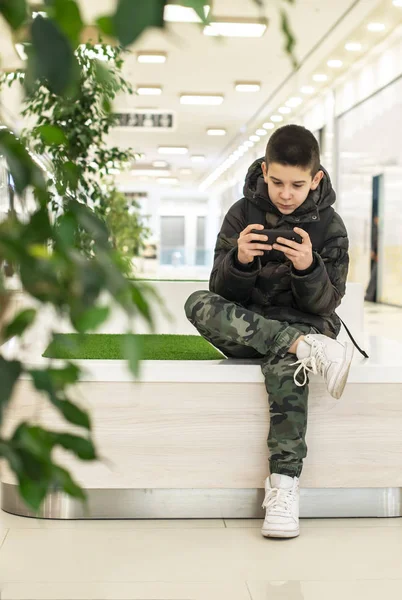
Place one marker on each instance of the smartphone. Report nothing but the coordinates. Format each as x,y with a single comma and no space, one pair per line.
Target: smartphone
274,234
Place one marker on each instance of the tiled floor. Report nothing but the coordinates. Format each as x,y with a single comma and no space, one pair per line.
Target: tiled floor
204,559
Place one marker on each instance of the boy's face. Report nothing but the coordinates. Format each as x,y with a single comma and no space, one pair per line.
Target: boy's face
288,187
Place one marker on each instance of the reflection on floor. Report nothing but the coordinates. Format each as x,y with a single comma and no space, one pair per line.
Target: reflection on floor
205,559
383,320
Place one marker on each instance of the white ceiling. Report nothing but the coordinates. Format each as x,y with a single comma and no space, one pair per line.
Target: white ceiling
200,64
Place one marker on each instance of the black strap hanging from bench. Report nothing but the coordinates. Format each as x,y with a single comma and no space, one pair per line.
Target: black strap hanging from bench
363,352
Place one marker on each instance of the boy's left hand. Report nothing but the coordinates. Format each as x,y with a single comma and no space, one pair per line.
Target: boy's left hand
301,255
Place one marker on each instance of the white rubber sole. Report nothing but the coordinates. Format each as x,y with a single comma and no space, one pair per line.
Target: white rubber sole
280,534
337,384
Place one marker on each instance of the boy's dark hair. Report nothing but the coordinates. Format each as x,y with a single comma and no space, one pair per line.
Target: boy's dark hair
294,145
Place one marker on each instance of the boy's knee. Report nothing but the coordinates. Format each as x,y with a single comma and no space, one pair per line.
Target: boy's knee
193,300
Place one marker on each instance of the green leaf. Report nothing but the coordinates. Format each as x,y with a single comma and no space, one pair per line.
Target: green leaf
33,440
71,172
54,58
134,16
14,12
67,15
63,480
9,453
141,304
9,374
38,229
73,413
289,37
81,447
44,381
52,135
20,323
19,162
90,222
91,318
65,230
62,345
65,376
33,492
133,351
106,25
39,276
104,75
198,7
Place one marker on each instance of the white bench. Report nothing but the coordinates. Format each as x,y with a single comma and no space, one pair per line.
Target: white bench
189,439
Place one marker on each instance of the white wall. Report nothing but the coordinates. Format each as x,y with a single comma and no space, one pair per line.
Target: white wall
363,111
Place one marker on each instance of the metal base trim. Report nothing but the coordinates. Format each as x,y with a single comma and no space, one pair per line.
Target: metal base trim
205,503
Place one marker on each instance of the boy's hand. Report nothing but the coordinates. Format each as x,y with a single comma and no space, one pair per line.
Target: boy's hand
301,255
246,249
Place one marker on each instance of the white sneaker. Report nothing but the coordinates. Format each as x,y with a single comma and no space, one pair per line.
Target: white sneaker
282,504
330,358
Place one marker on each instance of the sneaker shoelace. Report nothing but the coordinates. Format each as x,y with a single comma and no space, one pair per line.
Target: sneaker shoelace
278,500
316,363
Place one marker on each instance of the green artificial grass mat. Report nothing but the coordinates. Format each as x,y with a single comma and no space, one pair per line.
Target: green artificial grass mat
109,347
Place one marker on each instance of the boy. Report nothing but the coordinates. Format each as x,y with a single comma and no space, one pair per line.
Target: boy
276,303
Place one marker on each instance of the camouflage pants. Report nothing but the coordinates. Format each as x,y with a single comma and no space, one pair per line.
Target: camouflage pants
241,333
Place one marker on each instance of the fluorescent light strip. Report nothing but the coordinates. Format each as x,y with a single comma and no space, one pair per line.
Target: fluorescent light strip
149,90
276,118
376,27
307,89
216,131
335,64
294,102
174,13
268,126
320,77
151,57
353,46
284,110
247,87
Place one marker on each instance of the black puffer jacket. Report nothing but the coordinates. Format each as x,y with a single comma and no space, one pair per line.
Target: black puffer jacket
270,285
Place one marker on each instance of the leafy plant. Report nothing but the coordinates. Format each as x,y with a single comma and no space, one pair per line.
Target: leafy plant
51,267
73,135
128,233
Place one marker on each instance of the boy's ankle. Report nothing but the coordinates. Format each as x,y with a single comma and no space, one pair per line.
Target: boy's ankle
293,347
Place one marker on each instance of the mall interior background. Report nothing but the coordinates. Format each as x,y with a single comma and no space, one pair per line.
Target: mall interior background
355,116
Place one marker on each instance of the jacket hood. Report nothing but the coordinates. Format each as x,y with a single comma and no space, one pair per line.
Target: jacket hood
256,190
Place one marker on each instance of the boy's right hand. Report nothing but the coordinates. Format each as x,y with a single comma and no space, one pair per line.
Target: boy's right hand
247,248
